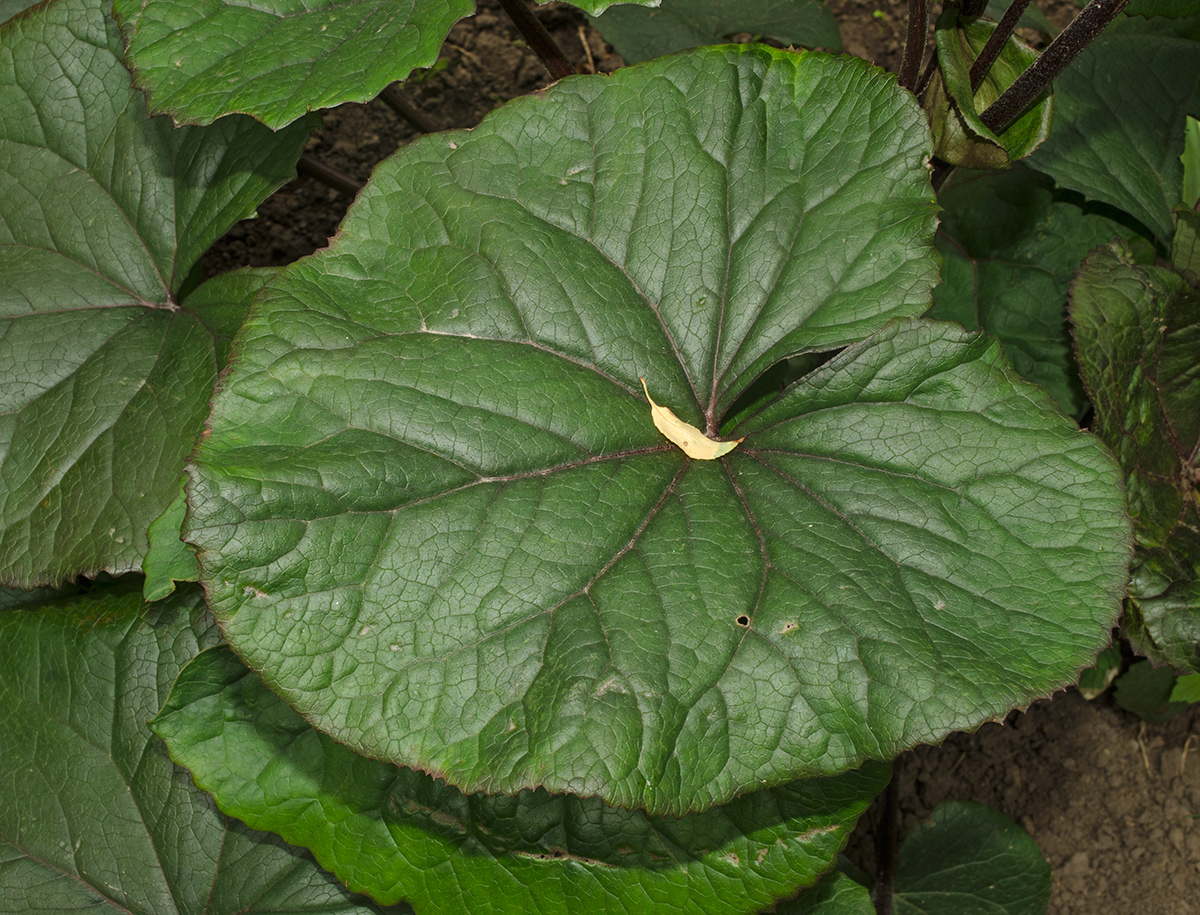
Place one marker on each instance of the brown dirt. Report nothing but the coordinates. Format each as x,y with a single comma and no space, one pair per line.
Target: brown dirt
1112,803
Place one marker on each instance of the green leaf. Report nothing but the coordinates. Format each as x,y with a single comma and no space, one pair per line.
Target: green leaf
400,834
1191,163
638,33
1147,691
1119,121
1031,18
836,894
92,812
959,134
103,212
434,511
1186,689
1172,8
1185,249
1094,681
970,858
1162,615
1137,331
1010,247
169,559
277,60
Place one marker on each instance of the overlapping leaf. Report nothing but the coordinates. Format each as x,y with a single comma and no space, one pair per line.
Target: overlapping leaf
955,110
277,60
1137,331
638,33
398,834
435,513
104,377
1119,120
1010,248
93,815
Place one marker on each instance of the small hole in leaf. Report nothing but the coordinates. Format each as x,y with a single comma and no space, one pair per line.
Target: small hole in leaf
743,621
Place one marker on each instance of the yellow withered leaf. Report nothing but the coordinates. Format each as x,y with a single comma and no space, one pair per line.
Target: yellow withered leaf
695,444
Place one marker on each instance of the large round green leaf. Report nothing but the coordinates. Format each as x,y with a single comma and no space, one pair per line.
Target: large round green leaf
93,815
104,375
399,834
434,511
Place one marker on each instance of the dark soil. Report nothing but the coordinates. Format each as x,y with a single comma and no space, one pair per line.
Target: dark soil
1112,803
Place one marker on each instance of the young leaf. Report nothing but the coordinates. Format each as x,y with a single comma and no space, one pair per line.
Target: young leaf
104,212
399,834
92,812
959,134
431,510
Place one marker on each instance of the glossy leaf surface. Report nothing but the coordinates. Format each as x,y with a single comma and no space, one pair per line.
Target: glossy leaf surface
277,60
434,511
93,815
640,33
399,834
103,213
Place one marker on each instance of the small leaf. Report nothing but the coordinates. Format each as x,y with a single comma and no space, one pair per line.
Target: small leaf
400,834
693,442
1186,689
969,857
1094,681
959,134
1147,691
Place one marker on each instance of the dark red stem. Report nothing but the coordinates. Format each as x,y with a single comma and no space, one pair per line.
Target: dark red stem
536,36
1062,50
914,42
391,97
995,43
328,175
